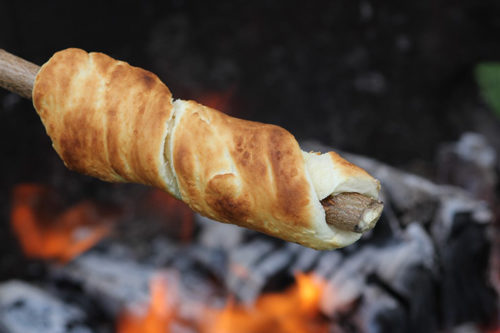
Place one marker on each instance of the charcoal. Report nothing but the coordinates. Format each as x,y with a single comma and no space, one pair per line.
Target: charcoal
115,282
380,313
415,249
216,234
463,246
212,262
277,260
386,79
408,268
327,263
444,259
469,163
395,269
28,309
305,260
465,295
253,264
417,271
112,282
402,277
453,202
160,252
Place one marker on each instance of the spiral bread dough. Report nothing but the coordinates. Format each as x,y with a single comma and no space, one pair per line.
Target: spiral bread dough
119,123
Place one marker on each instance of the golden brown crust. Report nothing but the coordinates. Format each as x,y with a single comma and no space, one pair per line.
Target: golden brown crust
106,118
348,169
241,172
118,123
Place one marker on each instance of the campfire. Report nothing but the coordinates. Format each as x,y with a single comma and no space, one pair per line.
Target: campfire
102,259
47,232
93,257
156,317
294,310
411,88
146,263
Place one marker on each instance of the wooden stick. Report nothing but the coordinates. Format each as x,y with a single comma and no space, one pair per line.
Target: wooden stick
352,211
16,74
346,211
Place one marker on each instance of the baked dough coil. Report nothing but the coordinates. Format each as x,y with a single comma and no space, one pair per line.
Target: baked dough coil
119,123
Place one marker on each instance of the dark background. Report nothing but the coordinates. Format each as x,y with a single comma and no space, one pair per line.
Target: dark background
387,79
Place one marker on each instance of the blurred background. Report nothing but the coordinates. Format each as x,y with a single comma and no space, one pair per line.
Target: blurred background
391,80
394,81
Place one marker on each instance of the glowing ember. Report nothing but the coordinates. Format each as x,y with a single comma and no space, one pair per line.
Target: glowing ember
155,319
294,311
47,233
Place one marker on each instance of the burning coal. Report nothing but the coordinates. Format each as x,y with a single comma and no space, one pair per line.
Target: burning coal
46,231
296,310
155,318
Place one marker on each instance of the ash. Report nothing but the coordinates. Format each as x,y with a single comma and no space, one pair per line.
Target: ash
424,268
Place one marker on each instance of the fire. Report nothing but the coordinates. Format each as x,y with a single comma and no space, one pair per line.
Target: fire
294,311
156,318
48,233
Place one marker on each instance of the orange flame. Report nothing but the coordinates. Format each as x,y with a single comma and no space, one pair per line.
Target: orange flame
155,319
47,234
294,311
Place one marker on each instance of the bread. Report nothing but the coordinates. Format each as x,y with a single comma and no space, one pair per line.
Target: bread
119,123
